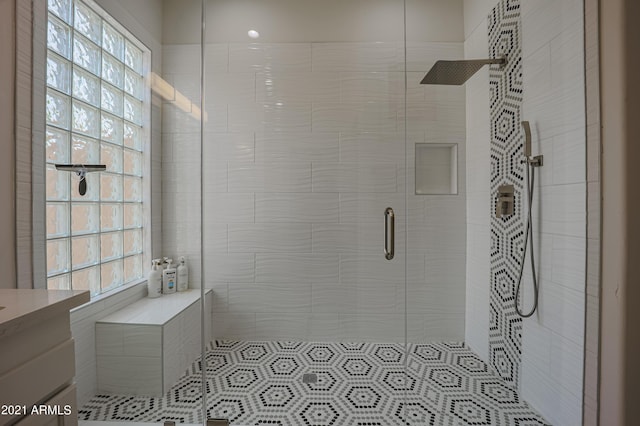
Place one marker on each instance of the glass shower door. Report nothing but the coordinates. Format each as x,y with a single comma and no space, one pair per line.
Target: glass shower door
305,154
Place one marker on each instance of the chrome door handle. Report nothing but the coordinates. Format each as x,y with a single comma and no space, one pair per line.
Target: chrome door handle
389,233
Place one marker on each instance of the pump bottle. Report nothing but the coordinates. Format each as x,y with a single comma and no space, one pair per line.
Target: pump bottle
169,278
154,280
183,275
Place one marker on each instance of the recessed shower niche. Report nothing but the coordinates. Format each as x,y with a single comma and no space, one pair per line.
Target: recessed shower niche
436,168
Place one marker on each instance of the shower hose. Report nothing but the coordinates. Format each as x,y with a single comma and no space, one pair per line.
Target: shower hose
528,238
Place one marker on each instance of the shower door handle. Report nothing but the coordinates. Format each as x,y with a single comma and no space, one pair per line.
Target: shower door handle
389,233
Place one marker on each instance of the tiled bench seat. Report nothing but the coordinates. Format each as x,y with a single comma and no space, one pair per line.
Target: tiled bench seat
145,347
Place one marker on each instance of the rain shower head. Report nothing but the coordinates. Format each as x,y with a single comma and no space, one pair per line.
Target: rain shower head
457,72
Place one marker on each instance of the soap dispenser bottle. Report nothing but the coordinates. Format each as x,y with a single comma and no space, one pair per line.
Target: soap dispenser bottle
183,275
169,278
154,280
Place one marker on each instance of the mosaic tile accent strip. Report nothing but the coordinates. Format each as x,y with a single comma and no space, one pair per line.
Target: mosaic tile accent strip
358,384
507,234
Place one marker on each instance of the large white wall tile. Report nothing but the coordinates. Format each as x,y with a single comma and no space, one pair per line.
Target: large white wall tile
354,177
561,310
269,117
372,86
228,146
187,89
111,378
143,341
220,297
229,208
569,157
216,56
439,327
374,147
338,298
548,396
475,15
290,57
296,267
420,116
373,327
353,237
297,87
215,238
111,341
179,120
214,177
444,271
561,209
311,327
174,211
290,208
364,117
180,58
269,177
231,326
225,88
557,111
435,298
357,57
566,364
235,267
216,117
427,237
568,262
542,21
417,92
269,297
361,269
358,207
536,70
270,237
301,147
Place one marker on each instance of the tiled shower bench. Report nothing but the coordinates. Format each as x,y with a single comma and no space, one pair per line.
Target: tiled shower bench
144,348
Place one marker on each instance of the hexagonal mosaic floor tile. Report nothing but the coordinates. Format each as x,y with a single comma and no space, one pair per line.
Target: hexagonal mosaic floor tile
356,384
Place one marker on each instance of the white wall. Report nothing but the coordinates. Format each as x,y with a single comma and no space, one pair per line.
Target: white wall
304,149
552,349
554,102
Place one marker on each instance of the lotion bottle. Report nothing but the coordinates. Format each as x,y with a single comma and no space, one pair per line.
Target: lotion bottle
183,275
154,280
169,278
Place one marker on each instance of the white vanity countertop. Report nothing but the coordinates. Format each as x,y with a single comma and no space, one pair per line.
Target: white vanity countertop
154,311
22,307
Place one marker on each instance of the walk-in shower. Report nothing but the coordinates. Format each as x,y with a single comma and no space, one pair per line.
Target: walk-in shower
336,206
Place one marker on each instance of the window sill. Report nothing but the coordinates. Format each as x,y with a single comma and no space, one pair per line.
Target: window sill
113,294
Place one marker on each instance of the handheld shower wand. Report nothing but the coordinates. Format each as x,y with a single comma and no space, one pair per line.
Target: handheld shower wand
530,166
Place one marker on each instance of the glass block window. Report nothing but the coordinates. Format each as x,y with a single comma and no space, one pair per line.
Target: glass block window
96,104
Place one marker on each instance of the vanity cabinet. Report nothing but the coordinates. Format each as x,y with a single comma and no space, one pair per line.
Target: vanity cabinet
38,358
